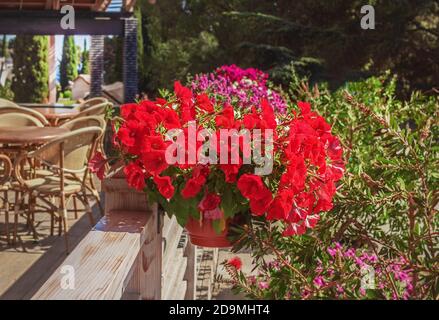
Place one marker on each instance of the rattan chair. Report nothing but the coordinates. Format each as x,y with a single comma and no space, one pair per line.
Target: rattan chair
67,157
91,102
7,103
12,119
96,110
5,174
86,122
18,119
18,109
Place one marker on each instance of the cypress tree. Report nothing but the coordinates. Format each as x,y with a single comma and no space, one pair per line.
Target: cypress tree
85,62
69,62
31,68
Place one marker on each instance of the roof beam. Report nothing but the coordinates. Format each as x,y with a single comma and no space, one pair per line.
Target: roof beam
47,22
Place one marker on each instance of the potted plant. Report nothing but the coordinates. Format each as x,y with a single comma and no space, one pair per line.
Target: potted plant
209,157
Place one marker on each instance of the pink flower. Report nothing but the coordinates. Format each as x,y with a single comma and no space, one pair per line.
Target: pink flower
263,285
319,281
362,291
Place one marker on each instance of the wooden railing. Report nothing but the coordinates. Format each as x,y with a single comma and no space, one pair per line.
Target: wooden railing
134,252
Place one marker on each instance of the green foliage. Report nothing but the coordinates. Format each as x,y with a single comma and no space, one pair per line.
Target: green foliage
113,59
85,60
69,62
386,204
273,35
31,70
6,92
4,47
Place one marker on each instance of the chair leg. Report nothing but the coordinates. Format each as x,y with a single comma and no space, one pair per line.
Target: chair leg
63,218
31,213
75,207
52,222
19,198
6,204
83,199
65,227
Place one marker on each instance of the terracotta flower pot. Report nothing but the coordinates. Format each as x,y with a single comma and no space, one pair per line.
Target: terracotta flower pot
204,235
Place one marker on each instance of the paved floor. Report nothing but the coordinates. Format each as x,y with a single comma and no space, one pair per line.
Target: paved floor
27,265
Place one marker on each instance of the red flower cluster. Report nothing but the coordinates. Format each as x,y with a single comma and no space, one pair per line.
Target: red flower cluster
308,158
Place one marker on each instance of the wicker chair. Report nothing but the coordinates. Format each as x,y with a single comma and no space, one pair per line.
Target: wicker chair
67,157
18,119
5,174
13,119
86,122
17,109
7,103
96,110
91,102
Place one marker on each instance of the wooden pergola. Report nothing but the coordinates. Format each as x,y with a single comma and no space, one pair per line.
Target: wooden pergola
43,17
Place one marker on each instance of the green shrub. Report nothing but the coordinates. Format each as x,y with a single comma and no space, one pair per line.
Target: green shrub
386,205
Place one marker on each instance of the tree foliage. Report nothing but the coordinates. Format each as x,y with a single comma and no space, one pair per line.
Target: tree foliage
31,69
69,62
324,37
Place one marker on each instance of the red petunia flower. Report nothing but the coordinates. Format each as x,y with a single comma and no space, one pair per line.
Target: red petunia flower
135,176
164,185
250,186
209,202
204,103
193,187
97,165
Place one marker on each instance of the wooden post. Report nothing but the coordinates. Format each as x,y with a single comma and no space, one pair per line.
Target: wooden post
191,273
146,277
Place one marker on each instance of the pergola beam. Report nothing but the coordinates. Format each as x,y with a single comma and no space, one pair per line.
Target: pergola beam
47,22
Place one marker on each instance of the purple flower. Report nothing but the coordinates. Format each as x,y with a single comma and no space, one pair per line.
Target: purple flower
319,281
263,285
243,87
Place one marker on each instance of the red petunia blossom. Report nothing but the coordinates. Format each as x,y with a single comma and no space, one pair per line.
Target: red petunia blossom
281,205
170,119
305,107
260,204
193,187
226,119
135,176
209,202
153,143
250,186
236,262
164,185
154,162
268,118
204,103
294,229
183,93
97,165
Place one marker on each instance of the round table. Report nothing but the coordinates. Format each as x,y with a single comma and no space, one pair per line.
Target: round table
53,115
29,135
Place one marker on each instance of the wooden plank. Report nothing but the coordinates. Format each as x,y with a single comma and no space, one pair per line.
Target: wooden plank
174,279
103,260
146,275
190,275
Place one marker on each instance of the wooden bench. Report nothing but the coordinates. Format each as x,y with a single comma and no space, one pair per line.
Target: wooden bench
134,252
